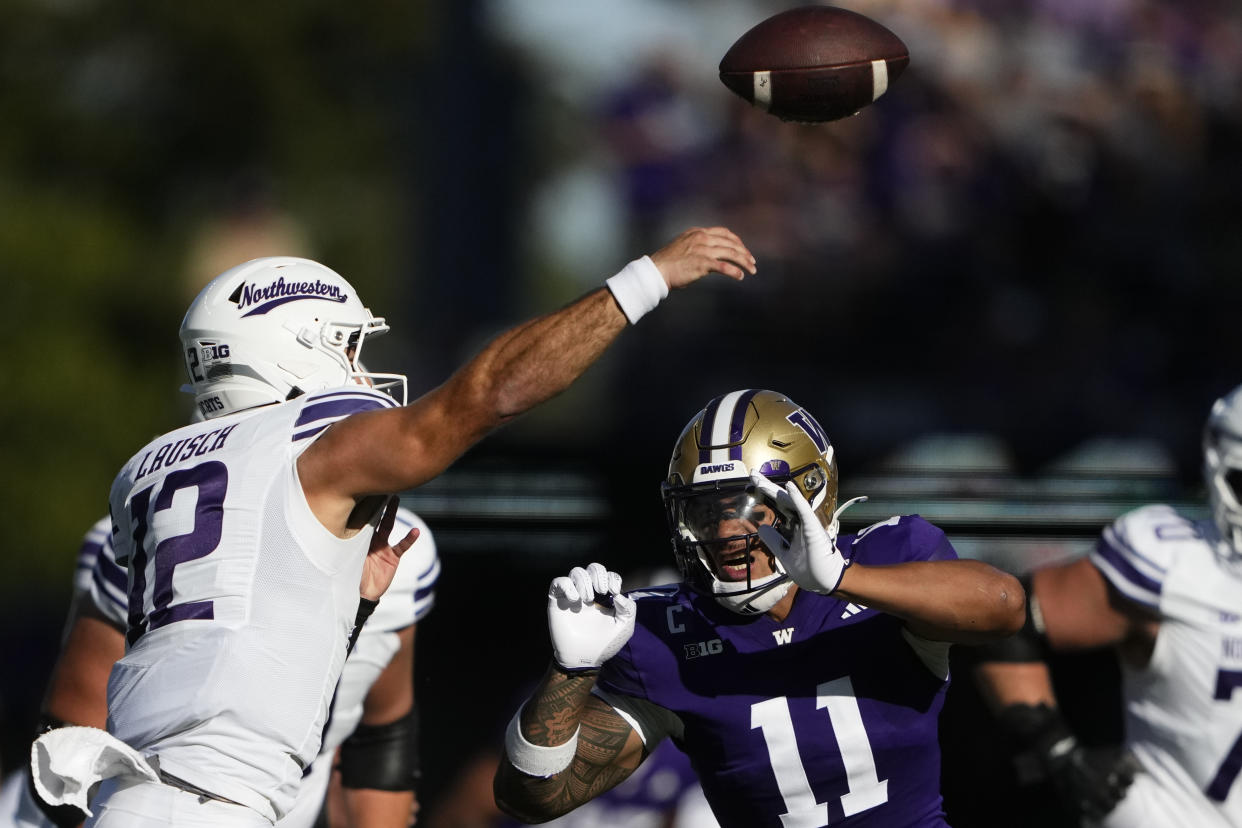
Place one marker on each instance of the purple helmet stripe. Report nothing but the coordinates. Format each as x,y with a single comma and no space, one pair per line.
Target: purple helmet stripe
739,422
709,420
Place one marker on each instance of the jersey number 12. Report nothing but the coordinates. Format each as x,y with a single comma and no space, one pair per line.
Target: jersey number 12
210,480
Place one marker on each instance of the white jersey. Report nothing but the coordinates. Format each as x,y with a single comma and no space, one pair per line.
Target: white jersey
1183,711
240,602
409,598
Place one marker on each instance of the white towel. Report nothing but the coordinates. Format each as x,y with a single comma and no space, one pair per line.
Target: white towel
68,762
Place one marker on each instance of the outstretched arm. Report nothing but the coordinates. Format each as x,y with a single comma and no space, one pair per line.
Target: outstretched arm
941,600
962,601
396,449
1071,608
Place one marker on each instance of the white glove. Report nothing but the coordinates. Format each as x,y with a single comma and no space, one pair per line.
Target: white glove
584,633
811,558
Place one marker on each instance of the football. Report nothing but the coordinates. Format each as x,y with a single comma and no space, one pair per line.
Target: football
814,63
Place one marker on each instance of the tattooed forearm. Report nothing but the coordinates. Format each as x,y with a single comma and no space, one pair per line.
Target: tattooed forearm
553,713
608,750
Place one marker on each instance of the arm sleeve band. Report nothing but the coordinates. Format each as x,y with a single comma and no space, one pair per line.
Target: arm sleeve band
638,288
382,757
537,760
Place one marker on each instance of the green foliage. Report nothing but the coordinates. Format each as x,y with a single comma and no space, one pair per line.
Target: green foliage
128,129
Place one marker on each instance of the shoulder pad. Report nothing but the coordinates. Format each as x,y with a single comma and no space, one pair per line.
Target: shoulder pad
899,538
1137,550
323,408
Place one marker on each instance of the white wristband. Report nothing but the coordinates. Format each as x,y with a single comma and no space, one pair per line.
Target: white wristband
537,760
638,288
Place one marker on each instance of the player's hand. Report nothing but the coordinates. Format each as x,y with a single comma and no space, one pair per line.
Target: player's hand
699,251
380,566
1093,780
1088,781
588,618
811,558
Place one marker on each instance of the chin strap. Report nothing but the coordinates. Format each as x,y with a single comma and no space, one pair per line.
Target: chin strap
835,525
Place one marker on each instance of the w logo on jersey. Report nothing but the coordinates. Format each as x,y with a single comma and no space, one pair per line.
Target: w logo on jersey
783,636
807,423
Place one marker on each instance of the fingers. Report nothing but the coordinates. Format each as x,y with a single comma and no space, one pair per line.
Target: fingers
624,607
582,586
773,540
384,530
800,503
702,250
724,251
401,546
783,500
767,488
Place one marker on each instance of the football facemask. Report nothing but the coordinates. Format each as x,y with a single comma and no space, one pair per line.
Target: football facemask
712,508
271,329
1222,469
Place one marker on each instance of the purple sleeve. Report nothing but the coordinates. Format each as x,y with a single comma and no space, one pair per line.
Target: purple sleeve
898,540
620,674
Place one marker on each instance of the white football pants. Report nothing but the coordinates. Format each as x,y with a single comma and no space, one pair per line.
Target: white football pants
146,804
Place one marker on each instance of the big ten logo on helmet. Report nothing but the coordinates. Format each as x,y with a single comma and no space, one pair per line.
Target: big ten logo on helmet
210,351
703,648
209,360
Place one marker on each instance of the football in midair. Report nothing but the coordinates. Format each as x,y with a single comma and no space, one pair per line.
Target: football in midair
814,63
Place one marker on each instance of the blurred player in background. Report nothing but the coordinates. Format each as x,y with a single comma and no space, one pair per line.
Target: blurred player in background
247,536
803,674
1166,591
374,701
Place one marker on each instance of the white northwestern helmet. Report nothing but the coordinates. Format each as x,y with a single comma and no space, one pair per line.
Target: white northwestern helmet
274,328
1222,466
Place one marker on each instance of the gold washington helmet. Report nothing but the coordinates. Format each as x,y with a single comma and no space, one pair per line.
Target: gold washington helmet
708,486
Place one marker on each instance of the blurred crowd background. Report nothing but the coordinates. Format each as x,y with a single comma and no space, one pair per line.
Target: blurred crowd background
1008,289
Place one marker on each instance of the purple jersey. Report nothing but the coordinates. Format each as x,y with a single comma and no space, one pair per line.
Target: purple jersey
826,718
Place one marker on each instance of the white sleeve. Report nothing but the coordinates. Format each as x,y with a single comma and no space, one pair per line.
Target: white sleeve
1137,550
99,577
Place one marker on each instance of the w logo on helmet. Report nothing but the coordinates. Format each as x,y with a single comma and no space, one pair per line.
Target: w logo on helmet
266,297
807,423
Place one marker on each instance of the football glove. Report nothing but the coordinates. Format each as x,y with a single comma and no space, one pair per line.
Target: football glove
588,618
811,557
1088,781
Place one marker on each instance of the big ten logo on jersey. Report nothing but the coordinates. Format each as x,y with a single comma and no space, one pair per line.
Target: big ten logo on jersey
704,648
